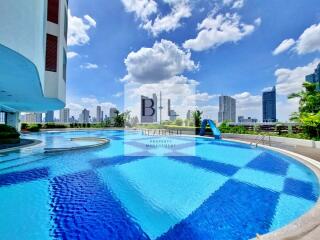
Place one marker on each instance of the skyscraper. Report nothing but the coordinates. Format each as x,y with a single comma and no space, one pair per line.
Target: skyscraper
49,118
269,110
65,115
227,109
315,77
99,114
84,116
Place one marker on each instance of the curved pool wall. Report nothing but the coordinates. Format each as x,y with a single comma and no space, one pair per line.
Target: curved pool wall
200,189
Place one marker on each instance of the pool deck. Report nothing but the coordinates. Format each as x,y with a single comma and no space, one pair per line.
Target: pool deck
309,152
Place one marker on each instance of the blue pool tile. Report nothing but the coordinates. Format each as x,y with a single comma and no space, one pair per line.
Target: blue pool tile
288,209
299,172
269,163
259,178
300,189
228,214
224,169
23,176
104,162
83,208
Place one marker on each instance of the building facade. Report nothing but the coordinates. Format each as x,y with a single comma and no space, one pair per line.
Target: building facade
227,109
269,109
49,117
33,44
99,114
65,115
84,116
315,77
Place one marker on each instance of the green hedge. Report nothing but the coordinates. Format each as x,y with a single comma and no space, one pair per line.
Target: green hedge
8,132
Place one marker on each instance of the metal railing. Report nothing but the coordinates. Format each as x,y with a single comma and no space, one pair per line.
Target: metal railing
261,139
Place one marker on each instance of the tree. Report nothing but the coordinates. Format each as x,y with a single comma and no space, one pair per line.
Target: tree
309,110
179,122
196,115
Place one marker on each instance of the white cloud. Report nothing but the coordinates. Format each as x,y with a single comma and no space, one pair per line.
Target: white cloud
284,46
258,21
215,31
78,29
309,41
89,66
71,55
234,3
163,61
90,20
118,94
142,8
290,80
153,20
89,103
180,10
248,105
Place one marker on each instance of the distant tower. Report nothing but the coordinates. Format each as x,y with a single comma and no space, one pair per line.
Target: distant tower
269,110
227,109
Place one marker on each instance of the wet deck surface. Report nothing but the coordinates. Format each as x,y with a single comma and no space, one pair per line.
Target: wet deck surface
313,153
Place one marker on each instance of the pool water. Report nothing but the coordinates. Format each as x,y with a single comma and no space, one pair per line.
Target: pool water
149,187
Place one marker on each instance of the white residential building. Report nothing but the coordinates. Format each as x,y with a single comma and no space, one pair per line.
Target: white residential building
227,109
33,45
65,115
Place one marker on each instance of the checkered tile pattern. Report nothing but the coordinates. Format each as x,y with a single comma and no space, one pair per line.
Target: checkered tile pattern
243,191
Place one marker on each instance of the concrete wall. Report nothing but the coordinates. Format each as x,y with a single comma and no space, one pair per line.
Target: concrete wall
24,30
284,140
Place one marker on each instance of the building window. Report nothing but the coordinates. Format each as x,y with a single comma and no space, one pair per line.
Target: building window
64,65
51,53
53,11
65,24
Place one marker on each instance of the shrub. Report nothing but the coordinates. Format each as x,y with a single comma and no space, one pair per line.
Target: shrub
54,125
8,132
33,127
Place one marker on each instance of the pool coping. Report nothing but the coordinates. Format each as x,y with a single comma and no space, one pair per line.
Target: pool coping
11,149
99,142
309,222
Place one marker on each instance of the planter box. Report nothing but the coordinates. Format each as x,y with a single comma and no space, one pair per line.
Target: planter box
10,141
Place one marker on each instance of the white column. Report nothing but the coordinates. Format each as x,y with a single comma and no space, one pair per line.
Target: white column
13,120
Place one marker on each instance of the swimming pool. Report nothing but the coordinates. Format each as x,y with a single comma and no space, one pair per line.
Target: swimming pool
150,187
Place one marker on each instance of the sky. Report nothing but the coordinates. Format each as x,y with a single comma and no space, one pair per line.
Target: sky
232,47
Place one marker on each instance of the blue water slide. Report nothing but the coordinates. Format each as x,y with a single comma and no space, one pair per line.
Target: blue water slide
215,130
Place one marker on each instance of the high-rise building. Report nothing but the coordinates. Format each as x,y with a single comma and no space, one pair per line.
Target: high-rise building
99,114
269,110
33,118
33,45
227,109
149,109
49,118
84,116
315,77
65,115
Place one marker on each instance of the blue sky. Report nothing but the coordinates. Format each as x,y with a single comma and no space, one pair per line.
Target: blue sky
233,47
